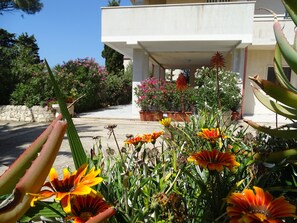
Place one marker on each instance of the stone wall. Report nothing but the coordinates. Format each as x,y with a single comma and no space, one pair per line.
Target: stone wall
25,114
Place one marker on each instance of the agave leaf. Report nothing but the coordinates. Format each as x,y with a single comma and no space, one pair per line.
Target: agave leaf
291,8
277,92
289,154
286,134
285,111
17,169
77,150
34,177
102,216
288,52
279,71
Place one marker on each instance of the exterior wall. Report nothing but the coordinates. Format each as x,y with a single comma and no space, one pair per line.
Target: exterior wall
23,113
195,22
257,63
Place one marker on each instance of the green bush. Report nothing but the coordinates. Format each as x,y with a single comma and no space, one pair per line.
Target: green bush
82,78
119,87
35,91
205,81
77,78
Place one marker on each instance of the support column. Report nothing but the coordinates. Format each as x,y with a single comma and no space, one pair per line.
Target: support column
162,73
238,61
192,76
156,71
238,65
140,72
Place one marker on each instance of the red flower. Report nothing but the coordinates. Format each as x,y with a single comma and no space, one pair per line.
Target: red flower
217,61
211,135
90,206
250,207
214,160
181,82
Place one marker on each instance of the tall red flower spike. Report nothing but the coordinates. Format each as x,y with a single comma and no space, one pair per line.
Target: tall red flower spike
217,61
181,82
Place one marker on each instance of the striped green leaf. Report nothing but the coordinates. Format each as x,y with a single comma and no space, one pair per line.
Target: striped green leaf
285,111
77,150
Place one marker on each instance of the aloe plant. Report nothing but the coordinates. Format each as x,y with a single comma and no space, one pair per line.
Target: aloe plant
281,99
34,177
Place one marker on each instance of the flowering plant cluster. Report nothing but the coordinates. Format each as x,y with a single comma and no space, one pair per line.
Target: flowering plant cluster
206,84
151,94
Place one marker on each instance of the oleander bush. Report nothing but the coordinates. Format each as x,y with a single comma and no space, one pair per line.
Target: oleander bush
77,78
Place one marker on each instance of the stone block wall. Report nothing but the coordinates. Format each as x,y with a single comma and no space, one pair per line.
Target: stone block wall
25,114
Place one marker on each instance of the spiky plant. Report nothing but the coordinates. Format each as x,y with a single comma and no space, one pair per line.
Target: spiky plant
281,99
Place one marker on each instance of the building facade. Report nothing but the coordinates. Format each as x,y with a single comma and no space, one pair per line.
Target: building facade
184,34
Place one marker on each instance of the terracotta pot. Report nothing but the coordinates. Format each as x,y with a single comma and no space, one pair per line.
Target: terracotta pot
179,116
58,110
151,115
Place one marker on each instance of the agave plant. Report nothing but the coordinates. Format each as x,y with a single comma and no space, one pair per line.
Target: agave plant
281,99
26,176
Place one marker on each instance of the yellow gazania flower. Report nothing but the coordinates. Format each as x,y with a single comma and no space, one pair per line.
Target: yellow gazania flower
165,122
214,160
249,207
77,183
211,135
86,207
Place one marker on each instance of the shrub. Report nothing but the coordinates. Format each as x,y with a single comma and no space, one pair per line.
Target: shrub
83,77
150,94
205,81
119,87
35,91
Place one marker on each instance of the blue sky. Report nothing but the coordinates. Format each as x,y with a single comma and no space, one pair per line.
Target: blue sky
64,29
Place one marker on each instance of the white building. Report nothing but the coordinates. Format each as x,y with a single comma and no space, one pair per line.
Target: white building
184,34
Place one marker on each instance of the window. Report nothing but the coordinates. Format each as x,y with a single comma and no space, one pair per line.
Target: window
271,75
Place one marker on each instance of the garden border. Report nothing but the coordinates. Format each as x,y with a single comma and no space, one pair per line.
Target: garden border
23,113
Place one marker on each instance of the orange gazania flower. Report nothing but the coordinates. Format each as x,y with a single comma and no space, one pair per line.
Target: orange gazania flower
90,206
152,137
211,135
135,140
77,183
181,82
249,207
214,160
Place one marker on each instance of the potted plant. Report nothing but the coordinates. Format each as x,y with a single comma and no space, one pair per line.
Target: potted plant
179,100
150,99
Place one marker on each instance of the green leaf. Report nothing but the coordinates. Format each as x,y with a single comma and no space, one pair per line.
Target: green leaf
9,179
285,111
291,8
277,92
279,71
34,177
44,209
288,52
286,134
77,150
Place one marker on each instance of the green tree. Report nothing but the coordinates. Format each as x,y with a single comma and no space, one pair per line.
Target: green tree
113,59
27,57
27,6
18,60
7,55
